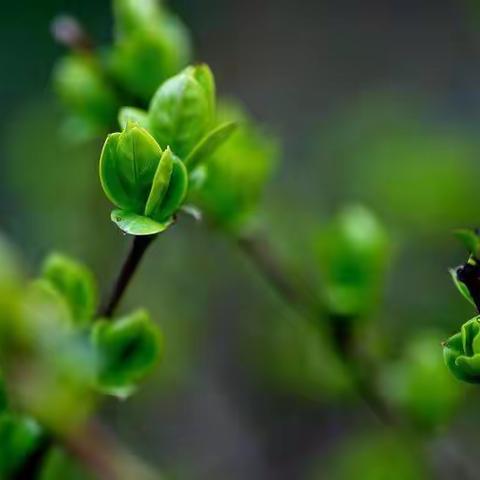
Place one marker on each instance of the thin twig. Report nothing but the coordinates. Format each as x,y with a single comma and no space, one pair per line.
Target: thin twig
297,294
101,453
128,269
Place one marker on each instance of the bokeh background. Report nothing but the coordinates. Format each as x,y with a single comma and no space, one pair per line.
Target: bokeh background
375,102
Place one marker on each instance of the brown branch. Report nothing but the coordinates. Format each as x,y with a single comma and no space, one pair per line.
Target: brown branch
127,271
101,453
298,295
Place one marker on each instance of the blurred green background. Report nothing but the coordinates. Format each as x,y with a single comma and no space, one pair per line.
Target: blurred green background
376,102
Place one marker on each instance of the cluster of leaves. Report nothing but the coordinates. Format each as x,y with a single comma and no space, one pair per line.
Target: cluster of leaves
183,148
58,357
462,351
150,44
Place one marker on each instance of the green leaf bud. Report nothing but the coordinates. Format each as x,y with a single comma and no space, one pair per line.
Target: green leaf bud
353,253
128,349
461,352
151,45
81,85
147,185
232,175
182,110
132,115
75,283
419,385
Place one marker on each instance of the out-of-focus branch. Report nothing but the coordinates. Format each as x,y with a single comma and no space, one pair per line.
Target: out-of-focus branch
68,31
299,296
101,453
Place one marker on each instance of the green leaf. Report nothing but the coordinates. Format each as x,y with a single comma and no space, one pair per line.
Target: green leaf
228,186
81,85
353,253
461,352
145,59
176,193
209,144
419,385
470,239
129,348
135,224
180,112
132,15
204,76
19,436
75,283
58,464
109,178
160,184
132,115
461,287
137,158
127,166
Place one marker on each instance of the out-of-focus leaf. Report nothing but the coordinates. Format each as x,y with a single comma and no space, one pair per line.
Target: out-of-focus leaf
75,283
19,436
420,386
81,85
59,465
353,255
133,115
228,187
376,457
470,240
129,348
208,145
150,46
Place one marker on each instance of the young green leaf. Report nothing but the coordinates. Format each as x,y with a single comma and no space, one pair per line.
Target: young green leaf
75,283
137,158
132,115
461,287
176,193
109,177
129,348
180,111
160,184
209,144
135,224
204,76
127,166
461,352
